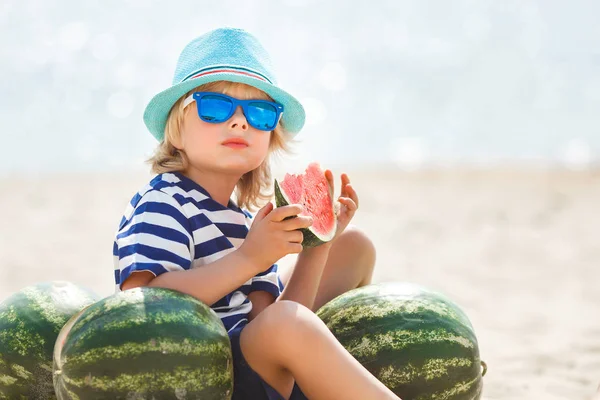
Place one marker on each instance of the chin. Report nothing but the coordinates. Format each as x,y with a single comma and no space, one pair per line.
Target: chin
227,166
240,169
240,164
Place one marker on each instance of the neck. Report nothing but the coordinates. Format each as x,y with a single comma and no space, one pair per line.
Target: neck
219,186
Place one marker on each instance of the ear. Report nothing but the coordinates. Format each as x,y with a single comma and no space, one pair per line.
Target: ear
176,141
176,136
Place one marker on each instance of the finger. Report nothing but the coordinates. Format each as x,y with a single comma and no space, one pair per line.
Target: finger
294,237
351,193
345,179
345,182
280,213
329,177
294,248
348,202
263,212
303,221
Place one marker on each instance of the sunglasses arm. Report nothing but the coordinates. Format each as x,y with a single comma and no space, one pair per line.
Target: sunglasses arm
188,100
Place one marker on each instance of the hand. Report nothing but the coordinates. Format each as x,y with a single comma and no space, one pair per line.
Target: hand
346,204
272,236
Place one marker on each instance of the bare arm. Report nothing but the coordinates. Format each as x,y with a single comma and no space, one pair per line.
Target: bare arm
303,284
208,283
306,277
271,237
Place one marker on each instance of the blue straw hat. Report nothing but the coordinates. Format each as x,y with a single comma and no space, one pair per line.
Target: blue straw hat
224,54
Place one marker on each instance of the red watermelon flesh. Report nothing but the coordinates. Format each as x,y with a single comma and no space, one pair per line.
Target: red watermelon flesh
312,190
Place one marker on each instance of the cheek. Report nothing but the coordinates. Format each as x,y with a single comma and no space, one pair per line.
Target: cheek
265,139
198,135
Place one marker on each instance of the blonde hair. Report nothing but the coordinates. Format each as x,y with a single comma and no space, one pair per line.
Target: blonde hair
255,187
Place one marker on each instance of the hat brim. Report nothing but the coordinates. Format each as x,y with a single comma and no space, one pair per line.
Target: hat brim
157,111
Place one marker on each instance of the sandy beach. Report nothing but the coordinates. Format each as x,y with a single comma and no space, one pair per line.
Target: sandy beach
516,248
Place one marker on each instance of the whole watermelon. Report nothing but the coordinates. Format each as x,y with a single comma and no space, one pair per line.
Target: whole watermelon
30,321
144,343
417,342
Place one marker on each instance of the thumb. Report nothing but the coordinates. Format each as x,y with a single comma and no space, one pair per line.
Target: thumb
263,212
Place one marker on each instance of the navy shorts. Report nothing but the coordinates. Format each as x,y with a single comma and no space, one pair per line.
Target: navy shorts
247,384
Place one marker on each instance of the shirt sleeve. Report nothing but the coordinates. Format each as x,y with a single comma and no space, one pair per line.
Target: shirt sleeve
268,281
156,238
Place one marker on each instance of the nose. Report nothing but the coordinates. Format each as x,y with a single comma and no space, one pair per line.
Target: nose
238,120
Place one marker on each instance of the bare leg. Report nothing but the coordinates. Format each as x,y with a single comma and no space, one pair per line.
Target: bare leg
349,266
288,341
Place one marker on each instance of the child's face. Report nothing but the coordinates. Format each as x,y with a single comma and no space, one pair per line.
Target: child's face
203,145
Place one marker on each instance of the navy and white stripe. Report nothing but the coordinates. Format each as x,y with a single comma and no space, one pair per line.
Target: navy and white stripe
173,224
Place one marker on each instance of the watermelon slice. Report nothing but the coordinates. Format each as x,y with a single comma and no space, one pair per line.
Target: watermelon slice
312,190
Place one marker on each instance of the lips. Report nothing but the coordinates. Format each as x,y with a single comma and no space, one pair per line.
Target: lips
235,142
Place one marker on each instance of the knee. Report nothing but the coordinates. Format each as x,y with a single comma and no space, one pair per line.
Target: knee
358,240
287,321
285,314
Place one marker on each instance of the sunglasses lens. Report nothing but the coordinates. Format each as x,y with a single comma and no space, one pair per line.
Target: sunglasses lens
214,108
262,115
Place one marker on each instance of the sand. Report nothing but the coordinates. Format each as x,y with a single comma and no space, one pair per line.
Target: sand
517,249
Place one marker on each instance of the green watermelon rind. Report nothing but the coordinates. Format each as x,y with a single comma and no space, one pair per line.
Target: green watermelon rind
416,341
30,321
144,342
310,237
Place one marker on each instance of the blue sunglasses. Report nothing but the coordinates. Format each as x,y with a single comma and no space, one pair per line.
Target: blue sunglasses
217,107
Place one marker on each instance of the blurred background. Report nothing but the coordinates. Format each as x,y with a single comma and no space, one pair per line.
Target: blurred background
469,128
410,83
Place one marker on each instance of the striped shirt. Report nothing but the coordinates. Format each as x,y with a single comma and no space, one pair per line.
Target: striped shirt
173,224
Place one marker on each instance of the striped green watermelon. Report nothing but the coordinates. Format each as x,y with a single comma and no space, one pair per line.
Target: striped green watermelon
312,190
30,321
144,343
417,342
